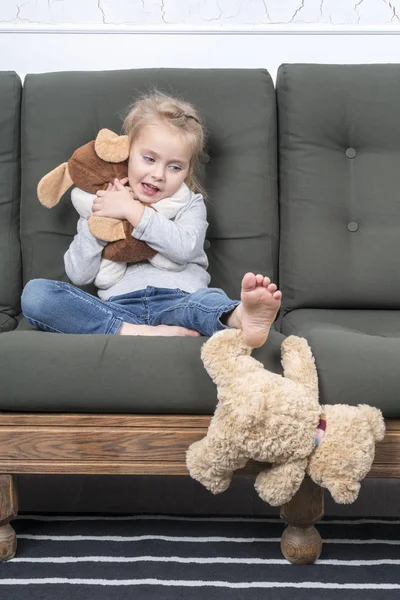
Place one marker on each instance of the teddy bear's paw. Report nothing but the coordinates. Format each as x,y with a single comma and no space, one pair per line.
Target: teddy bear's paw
215,479
224,336
272,498
217,486
271,490
223,347
298,362
208,480
343,492
293,341
212,481
278,484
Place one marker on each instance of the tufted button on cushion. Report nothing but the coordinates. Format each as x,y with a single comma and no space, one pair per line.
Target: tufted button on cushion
350,153
322,116
352,226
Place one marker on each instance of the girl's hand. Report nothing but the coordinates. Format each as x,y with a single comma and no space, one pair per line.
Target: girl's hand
117,202
111,187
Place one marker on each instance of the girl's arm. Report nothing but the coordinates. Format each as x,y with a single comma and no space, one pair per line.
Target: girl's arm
83,257
181,240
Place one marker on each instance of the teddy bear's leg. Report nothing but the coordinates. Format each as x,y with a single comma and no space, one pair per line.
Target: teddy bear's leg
226,357
298,362
301,542
278,484
212,469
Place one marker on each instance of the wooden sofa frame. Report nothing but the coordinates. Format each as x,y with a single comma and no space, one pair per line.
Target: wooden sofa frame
38,443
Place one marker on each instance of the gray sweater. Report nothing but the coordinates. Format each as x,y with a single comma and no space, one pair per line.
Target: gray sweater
180,239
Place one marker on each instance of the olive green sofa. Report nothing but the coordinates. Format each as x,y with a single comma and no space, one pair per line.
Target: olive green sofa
304,185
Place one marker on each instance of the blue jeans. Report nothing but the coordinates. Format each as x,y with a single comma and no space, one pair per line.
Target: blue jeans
60,307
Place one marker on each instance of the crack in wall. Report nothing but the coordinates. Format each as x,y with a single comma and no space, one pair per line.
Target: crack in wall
163,12
357,11
213,18
234,16
245,12
148,12
297,11
221,12
266,9
102,11
393,9
18,18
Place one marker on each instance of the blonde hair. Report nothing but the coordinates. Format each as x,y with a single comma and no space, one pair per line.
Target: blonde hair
177,113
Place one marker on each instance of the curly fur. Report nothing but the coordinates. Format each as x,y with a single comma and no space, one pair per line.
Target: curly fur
273,419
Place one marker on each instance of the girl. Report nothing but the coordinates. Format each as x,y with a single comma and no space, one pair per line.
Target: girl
166,139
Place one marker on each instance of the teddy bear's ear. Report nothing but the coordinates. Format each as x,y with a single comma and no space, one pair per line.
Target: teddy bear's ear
53,185
375,419
111,147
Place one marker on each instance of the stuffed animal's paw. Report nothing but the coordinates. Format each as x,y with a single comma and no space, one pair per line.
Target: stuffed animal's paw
342,491
216,480
106,228
278,484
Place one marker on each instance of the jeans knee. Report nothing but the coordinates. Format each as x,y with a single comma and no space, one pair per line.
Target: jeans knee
36,296
212,297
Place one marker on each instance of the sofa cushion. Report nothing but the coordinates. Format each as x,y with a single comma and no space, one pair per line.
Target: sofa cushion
7,323
356,352
339,185
62,111
10,253
109,374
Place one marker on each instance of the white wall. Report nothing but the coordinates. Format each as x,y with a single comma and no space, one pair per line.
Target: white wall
201,12
55,35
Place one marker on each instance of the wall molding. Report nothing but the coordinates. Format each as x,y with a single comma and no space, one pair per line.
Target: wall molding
47,48
275,29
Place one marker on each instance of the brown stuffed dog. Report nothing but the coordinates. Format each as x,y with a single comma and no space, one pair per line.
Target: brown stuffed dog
91,168
278,420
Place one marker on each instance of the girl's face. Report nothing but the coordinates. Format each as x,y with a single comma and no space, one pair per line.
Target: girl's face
159,162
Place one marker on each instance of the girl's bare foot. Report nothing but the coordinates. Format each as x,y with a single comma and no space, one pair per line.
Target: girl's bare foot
260,302
156,330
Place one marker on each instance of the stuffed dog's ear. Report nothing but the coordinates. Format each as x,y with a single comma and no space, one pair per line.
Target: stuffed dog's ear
111,147
106,228
53,185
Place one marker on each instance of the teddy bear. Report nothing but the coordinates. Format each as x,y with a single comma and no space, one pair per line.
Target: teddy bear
277,419
90,168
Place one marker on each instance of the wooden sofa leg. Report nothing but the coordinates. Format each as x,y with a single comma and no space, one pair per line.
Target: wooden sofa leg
301,543
8,510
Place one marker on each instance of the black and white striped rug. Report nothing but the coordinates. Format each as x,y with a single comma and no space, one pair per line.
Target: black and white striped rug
196,558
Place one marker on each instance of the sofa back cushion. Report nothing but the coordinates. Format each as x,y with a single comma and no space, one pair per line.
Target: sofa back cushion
62,111
339,154
10,253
